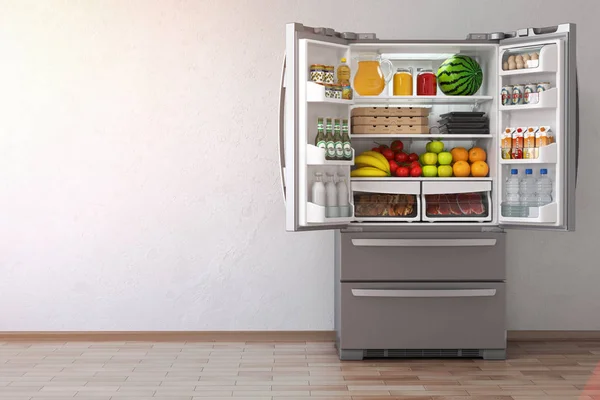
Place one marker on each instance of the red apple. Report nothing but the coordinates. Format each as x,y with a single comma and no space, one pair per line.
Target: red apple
377,149
397,145
401,157
416,171
413,157
402,172
388,153
415,164
383,146
393,166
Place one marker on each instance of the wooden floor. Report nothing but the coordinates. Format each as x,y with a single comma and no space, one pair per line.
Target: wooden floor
278,370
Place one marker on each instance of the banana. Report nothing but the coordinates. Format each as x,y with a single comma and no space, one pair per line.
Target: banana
378,156
372,162
366,172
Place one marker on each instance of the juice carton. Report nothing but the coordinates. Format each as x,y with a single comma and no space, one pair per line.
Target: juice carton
518,138
506,142
529,149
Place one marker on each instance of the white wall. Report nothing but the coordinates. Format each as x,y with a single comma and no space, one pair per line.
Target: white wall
138,172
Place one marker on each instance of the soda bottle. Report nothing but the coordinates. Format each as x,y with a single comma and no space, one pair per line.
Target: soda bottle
337,140
320,139
346,144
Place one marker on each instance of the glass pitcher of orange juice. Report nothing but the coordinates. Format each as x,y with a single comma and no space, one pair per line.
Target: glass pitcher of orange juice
403,82
369,80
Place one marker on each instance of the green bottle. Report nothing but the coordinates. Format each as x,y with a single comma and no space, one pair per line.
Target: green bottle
346,144
330,155
320,139
337,139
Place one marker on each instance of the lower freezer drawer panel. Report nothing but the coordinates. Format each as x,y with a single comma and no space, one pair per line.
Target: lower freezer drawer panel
401,257
422,316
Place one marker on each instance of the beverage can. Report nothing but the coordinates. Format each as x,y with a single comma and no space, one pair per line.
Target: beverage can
542,86
506,95
517,94
528,97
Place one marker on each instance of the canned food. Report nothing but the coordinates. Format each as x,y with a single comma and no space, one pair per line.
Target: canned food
329,93
506,95
337,91
528,94
543,86
517,94
328,76
317,73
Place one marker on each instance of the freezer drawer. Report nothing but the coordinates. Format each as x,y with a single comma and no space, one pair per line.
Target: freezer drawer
378,256
401,316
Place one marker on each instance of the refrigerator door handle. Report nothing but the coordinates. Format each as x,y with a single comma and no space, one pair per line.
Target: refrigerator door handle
282,128
423,293
423,242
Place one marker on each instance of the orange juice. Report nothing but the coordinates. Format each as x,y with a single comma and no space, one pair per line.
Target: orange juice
403,82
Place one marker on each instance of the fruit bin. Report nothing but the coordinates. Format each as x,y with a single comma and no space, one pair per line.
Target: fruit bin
456,201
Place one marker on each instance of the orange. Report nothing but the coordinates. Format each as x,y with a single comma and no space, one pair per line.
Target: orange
477,154
479,168
459,154
461,168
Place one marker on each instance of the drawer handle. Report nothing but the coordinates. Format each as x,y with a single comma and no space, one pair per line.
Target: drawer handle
423,242
423,293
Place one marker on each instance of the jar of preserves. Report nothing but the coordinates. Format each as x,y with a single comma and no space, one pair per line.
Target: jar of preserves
426,83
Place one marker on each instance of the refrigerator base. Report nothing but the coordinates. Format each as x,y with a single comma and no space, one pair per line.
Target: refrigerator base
358,355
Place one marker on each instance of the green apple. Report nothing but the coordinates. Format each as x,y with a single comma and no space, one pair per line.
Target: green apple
430,159
444,170
435,146
421,158
430,171
445,158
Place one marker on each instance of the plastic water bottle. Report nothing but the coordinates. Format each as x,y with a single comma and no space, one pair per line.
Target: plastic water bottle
512,206
543,188
527,187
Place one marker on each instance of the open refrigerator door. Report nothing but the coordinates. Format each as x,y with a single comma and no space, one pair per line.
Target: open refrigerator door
538,127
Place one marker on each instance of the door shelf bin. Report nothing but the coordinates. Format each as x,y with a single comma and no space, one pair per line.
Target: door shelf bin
387,201
546,99
316,214
316,156
457,201
315,93
544,214
547,62
546,155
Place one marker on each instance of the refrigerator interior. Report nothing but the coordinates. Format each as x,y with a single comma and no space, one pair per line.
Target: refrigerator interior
415,56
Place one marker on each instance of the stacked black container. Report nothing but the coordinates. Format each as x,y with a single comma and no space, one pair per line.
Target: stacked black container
475,123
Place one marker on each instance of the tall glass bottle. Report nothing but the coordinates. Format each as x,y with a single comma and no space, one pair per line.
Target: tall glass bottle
329,143
346,144
337,139
320,139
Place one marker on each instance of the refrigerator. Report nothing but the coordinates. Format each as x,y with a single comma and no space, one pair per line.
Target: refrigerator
430,282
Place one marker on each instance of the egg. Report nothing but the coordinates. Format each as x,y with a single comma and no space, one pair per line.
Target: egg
505,66
512,65
535,56
511,59
526,57
518,58
520,65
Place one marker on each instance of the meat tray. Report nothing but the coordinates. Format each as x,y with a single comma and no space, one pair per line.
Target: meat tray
463,207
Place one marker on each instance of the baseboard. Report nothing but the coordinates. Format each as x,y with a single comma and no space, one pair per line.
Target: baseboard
171,336
247,336
533,336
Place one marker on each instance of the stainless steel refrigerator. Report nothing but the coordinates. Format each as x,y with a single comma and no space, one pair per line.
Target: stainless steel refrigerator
429,282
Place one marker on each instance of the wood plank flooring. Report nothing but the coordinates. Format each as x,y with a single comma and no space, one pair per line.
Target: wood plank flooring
286,371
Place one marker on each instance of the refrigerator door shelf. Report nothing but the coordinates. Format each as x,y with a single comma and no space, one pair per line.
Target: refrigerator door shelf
546,155
316,156
316,214
544,214
547,62
546,99
315,93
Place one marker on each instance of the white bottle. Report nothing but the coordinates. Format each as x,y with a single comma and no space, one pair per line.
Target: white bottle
332,210
527,189
342,193
319,197
543,188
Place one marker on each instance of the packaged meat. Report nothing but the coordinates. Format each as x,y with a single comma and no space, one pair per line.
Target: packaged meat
385,205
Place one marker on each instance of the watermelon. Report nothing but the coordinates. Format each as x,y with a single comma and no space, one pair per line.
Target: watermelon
459,75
